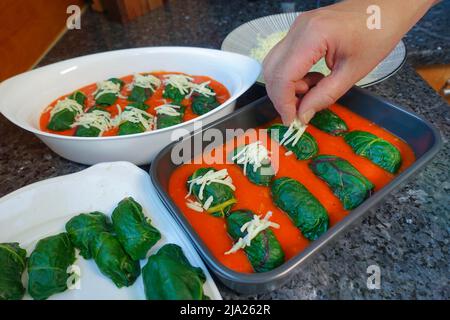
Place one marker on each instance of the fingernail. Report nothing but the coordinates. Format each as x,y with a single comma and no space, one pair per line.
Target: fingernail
307,116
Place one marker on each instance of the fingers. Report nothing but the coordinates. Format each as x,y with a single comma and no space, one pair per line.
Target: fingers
325,93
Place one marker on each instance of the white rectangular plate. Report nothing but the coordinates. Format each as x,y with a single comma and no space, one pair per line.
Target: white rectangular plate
43,208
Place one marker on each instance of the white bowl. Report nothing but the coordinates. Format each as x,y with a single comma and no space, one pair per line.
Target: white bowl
24,97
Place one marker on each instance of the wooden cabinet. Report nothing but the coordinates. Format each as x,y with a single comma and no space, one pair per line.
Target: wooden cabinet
28,29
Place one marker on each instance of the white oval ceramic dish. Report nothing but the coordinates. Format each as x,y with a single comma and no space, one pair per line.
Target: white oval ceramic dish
43,208
245,38
24,97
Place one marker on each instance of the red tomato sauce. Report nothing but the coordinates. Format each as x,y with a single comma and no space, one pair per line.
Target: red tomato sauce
156,99
249,196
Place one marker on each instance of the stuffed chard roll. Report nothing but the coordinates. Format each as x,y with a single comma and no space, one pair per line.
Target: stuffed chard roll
347,183
329,122
91,233
305,211
13,260
48,266
169,115
213,189
93,123
135,119
143,87
133,229
108,91
295,139
254,236
255,162
377,150
64,113
83,228
177,87
168,275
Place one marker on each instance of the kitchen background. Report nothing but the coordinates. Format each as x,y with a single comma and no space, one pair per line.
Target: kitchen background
407,236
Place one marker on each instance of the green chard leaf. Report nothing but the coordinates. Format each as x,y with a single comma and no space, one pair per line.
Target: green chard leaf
306,212
168,275
48,266
82,131
165,121
265,252
203,104
133,229
304,149
13,261
62,120
377,150
79,97
171,92
91,233
108,98
329,122
262,176
223,195
83,228
347,183
139,94
113,261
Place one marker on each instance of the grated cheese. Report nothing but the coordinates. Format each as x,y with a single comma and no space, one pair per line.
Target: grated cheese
66,104
194,205
146,81
209,177
255,154
98,119
202,88
253,228
107,86
180,81
294,133
168,109
135,115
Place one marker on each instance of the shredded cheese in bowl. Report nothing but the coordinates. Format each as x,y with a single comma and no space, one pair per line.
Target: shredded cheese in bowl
98,119
146,81
66,104
105,87
168,109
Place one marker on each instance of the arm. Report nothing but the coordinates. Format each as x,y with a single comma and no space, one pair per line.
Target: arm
340,34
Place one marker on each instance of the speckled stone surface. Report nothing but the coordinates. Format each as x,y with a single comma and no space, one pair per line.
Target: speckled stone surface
407,236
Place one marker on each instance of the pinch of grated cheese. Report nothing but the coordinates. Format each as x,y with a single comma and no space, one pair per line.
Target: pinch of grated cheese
202,88
254,153
135,115
180,81
98,119
146,81
294,133
209,177
168,109
66,104
105,87
253,228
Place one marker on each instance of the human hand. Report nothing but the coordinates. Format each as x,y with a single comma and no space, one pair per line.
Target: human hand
351,50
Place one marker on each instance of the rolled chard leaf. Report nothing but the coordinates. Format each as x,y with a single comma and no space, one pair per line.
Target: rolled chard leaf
133,229
329,122
265,252
113,261
263,174
203,104
48,266
13,261
377,150
139,94
347,183
223,195
306,212
83,228
165,121
79,97
171,92
87,132
168,275
129,127
108,98
304,149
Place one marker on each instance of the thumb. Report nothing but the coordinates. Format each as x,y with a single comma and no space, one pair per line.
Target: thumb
326,92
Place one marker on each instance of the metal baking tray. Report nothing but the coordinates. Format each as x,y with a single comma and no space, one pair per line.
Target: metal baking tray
424,139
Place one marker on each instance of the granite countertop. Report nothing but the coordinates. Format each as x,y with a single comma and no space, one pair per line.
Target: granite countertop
407,236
